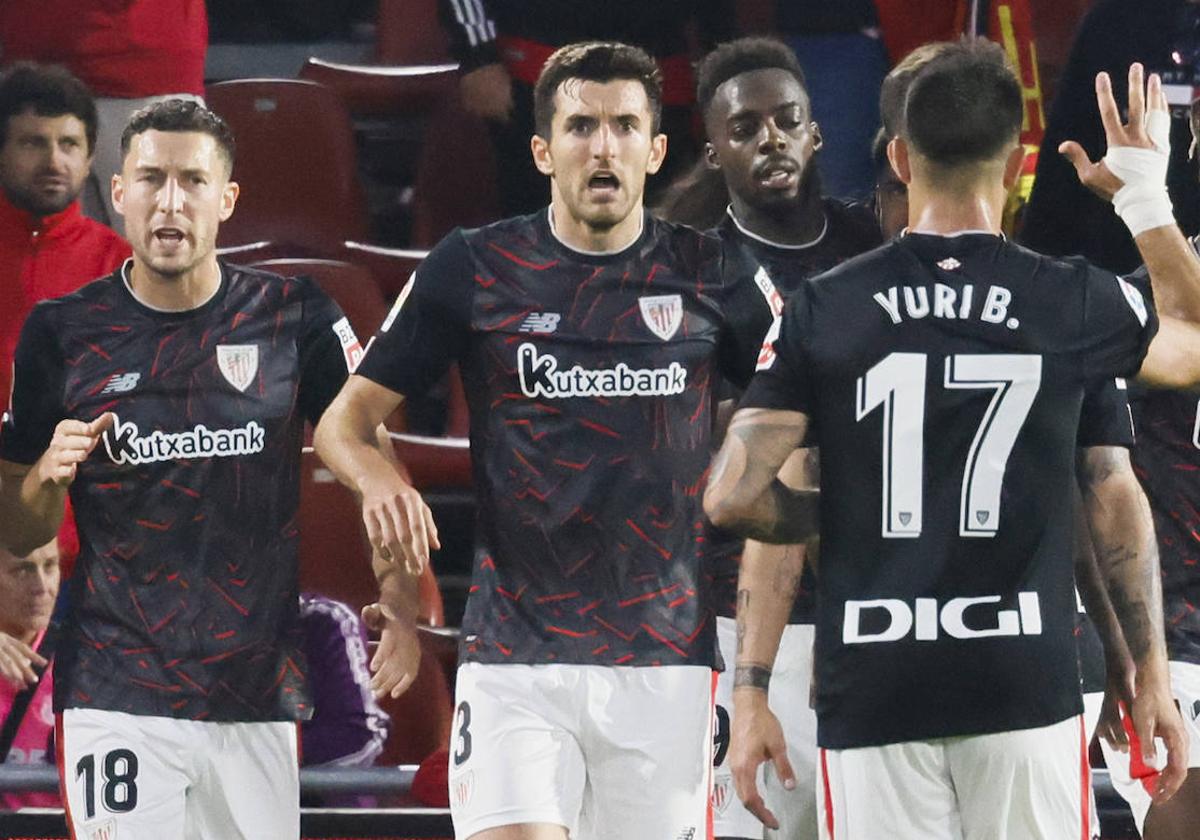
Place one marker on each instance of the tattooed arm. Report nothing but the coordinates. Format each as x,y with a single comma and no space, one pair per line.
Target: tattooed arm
1127,554
745,495
767,585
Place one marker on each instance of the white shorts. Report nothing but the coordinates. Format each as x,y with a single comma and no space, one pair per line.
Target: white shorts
1185,685
610,753
137,777
788,699
1032,784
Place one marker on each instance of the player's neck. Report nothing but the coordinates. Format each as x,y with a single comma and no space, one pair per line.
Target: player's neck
579,236
176,292
946,212
800,223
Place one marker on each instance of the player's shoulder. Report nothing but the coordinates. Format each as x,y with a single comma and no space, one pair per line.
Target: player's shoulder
852,224
257,282
104,293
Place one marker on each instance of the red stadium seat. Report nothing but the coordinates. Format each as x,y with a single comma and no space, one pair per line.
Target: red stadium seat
408,32
392,267
296,164
352,286
435,463
456,177
376,90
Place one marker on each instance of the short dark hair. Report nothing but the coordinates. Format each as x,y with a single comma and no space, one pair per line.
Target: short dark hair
744,55
964,106
896,83
595,61
180,115
49,91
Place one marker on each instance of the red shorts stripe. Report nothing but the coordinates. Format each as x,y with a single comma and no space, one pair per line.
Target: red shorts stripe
828,795
60,755
1085,782
712,706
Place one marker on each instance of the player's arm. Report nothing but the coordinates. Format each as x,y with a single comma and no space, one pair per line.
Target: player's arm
1133,175
745,495
768,581
1127,554
1118,665
399,524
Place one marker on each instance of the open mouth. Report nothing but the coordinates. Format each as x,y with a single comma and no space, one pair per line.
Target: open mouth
604,181
169,236
777,174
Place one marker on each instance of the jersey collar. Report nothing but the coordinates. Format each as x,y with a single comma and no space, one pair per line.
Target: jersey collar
780,245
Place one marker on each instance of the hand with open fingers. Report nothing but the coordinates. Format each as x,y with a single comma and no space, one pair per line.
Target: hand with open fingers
399,524
1133,172
1155,715
17,660
72,443
757,737
398,656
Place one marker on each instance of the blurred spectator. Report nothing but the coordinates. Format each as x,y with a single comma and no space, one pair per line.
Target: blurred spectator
28,587
347,727
1063,217
844,63
47,247
130,53
502,44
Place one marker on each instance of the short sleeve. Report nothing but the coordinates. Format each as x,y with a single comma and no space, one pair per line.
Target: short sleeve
1105,419
37,398
328,350
752,306
429,324
1119,321
782,380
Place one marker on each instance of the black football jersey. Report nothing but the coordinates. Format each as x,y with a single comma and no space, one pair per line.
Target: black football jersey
944,378
777,270
184,599
590,382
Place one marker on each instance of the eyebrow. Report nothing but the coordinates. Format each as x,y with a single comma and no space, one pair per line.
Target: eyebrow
157,170
750,112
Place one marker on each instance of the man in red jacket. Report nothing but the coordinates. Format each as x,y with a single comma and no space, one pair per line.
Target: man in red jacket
131,53
47,247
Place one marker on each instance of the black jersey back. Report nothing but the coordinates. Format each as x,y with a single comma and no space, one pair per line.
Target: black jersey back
944,378
590,380
184,600
777,270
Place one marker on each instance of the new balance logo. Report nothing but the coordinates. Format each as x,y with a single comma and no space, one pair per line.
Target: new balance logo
541,323
119,383
540,377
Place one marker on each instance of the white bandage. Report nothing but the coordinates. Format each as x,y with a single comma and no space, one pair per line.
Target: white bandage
1143,202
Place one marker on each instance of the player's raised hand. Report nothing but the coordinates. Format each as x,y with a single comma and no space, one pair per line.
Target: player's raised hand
757,737
398,656
399,524
1138,150
17,660
1153,715
72,443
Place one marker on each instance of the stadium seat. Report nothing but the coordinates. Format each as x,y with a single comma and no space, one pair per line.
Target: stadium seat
456,177
352,286
408,32
392,267
435,463
296,164
381,91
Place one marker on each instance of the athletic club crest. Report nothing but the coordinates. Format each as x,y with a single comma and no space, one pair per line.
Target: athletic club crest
105,831
462,788
663,314
238,364
721,794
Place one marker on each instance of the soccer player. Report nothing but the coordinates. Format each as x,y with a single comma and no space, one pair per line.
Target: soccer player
1166,458
591,337
763,143
941,378
170,399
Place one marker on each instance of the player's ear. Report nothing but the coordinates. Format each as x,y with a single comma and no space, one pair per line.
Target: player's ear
541,154
118,193
897,151
711,159
815,131
1013,165
658,153
229,196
